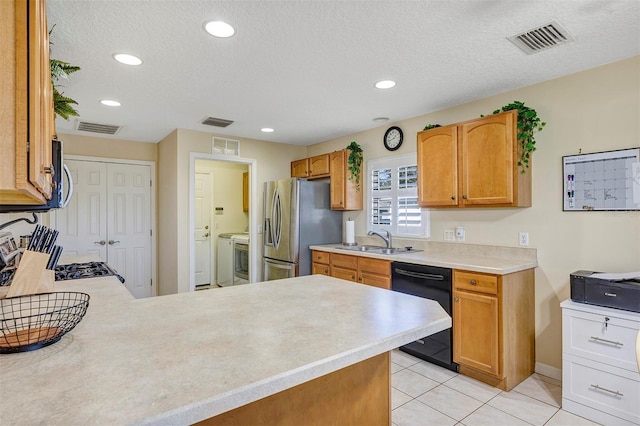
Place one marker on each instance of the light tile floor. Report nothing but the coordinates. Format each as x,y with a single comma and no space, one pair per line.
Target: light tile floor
425,394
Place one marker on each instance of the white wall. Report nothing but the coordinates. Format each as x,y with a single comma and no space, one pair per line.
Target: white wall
594,110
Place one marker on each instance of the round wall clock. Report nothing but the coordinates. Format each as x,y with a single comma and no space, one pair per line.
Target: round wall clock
393,138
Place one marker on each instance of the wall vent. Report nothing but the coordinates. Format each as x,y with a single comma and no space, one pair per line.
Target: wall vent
541,38
222,146
104,129
218,122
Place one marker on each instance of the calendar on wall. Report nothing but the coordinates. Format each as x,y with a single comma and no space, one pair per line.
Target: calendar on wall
602,181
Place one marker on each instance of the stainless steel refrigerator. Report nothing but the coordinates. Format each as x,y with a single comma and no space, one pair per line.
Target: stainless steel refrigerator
297,214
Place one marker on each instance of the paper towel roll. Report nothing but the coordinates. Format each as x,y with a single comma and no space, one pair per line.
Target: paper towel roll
350,232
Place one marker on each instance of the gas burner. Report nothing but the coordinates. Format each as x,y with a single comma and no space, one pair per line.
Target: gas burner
75,271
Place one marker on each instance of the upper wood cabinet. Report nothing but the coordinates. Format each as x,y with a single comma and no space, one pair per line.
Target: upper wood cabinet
311,168
245,192
344,193
473,164
26,116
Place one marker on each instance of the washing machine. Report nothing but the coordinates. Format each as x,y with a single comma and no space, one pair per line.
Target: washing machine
224,264
240,259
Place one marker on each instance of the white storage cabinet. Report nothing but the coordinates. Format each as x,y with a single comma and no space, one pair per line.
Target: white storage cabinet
600,378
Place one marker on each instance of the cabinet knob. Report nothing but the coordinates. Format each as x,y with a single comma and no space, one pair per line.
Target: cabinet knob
453,197
464,197
455,299
326,271
472,282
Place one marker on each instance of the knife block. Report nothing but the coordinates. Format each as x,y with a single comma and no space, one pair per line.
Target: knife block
32,275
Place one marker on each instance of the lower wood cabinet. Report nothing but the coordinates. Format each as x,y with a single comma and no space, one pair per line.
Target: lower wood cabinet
494,326
364,270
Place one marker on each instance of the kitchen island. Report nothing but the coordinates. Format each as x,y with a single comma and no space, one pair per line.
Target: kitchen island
310,349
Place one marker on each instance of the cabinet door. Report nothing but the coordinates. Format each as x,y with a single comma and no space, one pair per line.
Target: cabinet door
476,341
320,268
382,281
337,163
437,167
345,274
345,194
488,164
245,192
300,168
319,166
40,95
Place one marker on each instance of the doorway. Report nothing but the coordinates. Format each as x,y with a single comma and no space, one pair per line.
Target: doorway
111,215
220,204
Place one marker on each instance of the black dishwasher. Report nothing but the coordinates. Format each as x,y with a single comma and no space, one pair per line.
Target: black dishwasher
430,282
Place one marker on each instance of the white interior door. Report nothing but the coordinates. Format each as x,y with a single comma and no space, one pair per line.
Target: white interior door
129,225
110,215
83,223
202,230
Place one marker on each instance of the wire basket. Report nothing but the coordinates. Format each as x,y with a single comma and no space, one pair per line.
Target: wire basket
37,320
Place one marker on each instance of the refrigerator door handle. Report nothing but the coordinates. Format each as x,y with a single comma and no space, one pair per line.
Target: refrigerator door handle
268,237
276,215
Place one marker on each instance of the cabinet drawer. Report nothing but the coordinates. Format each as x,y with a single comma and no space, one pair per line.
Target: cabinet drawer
344,261
475,282
601,338
375,266
602,387
321,257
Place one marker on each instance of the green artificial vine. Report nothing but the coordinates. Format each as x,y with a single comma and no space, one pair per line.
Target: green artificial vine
354,162
431,126
61,70
528,123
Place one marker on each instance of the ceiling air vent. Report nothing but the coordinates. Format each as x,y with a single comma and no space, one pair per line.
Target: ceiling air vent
541,38
104,129
218,122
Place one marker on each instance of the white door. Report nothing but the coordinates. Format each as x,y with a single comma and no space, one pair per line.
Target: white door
129,225
110,215
202,231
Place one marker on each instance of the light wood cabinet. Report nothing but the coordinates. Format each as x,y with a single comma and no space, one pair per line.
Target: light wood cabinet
311,168
473,164
494,326
245,192
345,195
360,269
26,117
320,263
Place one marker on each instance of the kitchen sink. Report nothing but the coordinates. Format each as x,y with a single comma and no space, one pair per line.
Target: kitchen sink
380,250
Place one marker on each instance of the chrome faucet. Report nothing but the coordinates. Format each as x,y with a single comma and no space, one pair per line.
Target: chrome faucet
387,240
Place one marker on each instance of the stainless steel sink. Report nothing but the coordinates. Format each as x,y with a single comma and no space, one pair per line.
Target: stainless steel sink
380,250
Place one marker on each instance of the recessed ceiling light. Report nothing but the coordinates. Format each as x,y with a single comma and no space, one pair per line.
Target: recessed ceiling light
385,84
381,119
123,58
109,102
219,29
267,130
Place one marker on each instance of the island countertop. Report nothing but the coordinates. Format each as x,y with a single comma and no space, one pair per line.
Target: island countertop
186,357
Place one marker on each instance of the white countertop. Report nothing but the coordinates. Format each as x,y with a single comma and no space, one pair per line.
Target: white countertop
489,259
186,357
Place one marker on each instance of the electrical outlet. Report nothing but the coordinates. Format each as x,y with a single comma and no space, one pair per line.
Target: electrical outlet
459,233
449,235
524,238
259,229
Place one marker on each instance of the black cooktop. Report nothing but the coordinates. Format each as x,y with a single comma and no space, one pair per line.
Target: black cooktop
74,271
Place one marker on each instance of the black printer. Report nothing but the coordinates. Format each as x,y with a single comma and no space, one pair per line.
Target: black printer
618,294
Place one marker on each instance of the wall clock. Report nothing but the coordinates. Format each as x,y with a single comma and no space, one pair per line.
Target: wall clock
393,138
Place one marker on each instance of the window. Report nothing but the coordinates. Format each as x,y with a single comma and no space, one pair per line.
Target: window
392,199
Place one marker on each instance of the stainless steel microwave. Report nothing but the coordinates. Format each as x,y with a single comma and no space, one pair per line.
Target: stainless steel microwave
58,199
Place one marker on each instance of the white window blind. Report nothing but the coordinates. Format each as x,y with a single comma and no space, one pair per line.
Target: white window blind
392,199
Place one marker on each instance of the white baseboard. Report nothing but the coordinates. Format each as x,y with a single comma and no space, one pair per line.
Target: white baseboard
549,371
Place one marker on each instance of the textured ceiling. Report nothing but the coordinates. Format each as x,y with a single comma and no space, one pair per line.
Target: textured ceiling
307,68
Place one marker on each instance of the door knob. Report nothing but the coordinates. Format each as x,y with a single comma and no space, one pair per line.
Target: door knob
101,242
111,242
206,227
206,235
